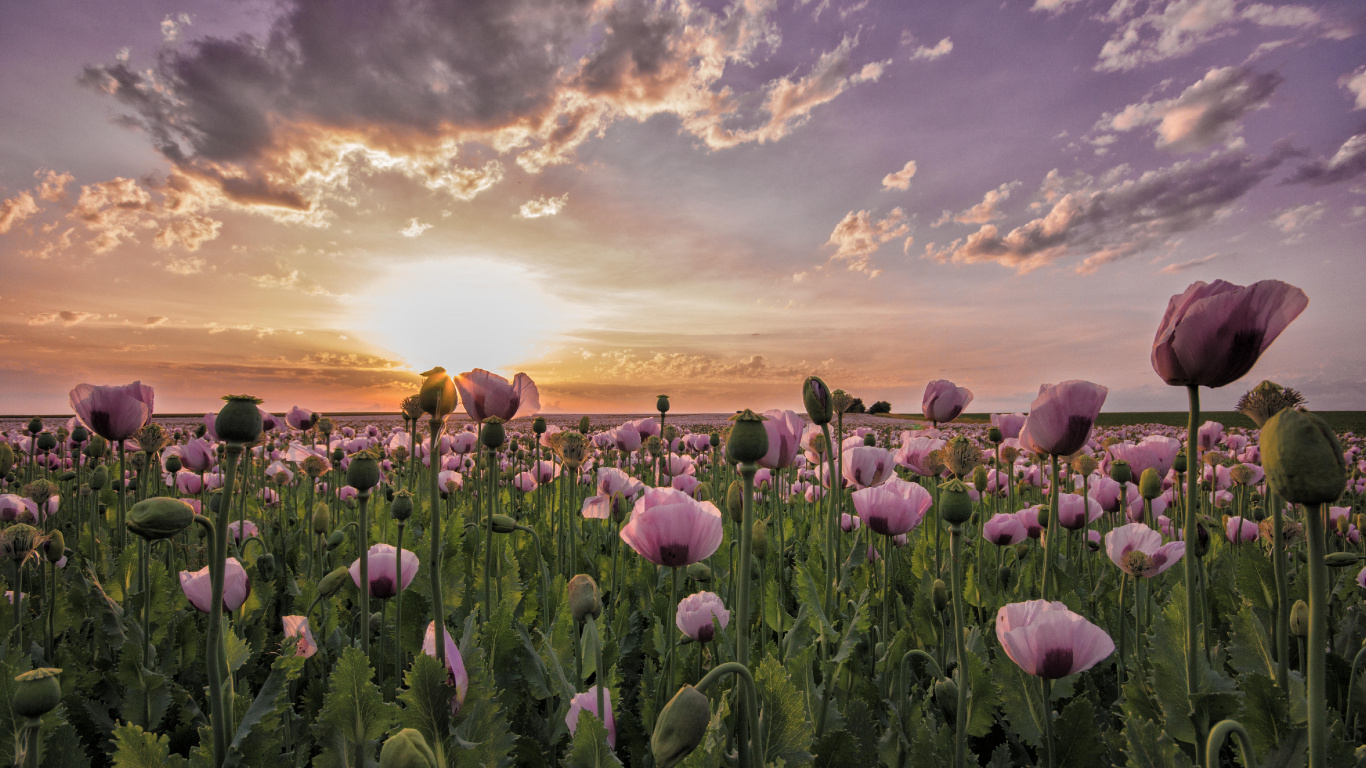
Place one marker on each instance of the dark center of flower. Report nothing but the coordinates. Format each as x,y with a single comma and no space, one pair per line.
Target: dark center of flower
1056,663
1243,352
1137,563
382,587
1074,437
706,633
673,555
880,524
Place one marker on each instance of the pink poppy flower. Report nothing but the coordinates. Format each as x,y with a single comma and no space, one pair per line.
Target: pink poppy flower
198,589
1029,518
383,573
915,452
588,702
1238,529
669,527
235,530
300,418
486,394
524,482
114,413
867,466
297,626
455,665
1138,550
1061,417
1008,423
695,612
890,513
1075,512
943,401
1047,640
784,438
1212,334
1004,529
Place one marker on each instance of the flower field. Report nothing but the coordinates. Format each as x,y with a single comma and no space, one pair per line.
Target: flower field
466,583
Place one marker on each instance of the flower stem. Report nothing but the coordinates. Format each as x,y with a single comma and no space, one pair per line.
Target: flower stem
1190,563
1282,590
1318,636
434,531
363,543
964,680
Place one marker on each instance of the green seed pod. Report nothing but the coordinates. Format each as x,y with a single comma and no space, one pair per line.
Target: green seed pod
662,404
538,425
503,523
363,471
870,439
99,478
47,441
322,518
748,439
714,439
80,434
735,501
35,425
758,539
338,455
239,420
333,581
1150,484
437,397
1302,458
994,435
699,572
939,593
38,692
1120,471
955,504
407,749
493,435
979,477
1179,463
160,517
816,397
173,464
1299,613
680,727
584,600
54,549
402,506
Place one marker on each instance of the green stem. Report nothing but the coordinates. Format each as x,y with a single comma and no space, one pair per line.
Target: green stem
434,566
746,714
1318,636
751,699
964,679
216,654
1191,563
1278,565
1215,743
1048,719
362,541
1052,535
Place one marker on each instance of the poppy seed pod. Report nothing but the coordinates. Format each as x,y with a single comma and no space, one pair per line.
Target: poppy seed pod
584,600
1302,458
653,445
1150,484
54,549
47,441
735,501
758,538
1299,619
994,435
1241,474
662,404
939,593
1120,471
35,425
748,439
38,692
437,396
18,541
816,397
160,517
333,581
1179,463
538,425
239,420
955,504
314,466
338,456
363,472
680,727
493,435
402,506
714,439
80,434
870,439
407,749
173,464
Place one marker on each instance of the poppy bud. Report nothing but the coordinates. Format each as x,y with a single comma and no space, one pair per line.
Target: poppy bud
735,501
1302,458
702,492
38,692
239,420
1299,617
160,517
680,727
939,592
955,505
1201,540
1341,559
333,581
502,523
363,472
493,435
99,478
265,565
584,425
1003,574
1149,484
335,540
946,698
437,396
979,477
67,476
55,546
699,572
758,538
402,506
1120,471
816,397
407,749
584,601
748,439
1021,550
662,404
322,518
621,507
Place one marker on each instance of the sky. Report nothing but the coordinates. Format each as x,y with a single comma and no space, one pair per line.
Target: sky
314,201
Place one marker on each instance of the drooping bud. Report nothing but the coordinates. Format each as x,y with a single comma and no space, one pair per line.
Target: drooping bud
437,397
735,501
939,593
407,749
946,699
1299,619
759,538
160,517
955,503
680,727
54,549
584,600
979,478
335,540
265,565
502,523
1341,559
1302,458
699,572
333,581
322,518
816,397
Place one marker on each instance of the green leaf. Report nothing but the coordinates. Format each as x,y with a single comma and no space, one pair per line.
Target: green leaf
353,714
269,702
1076,738
589,748
136,748
775,617
1215,692
982,697
787,732
1149,747
814,597
1250,649
483,730
1020,698
238,652
427,703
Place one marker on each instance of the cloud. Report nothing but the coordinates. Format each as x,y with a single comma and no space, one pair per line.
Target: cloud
1355,83
859,235
1052,6
52,185
66,316
1293,221
155,321
1114,217
983,212
927,53
189,232
1347,163
190,265
900,179
443,93
172,27
116,211
415,228
289,280
543,206
16,209
1204,114
1166,29
1175,269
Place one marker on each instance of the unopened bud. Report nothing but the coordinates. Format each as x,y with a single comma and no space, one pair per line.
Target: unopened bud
584,600
1299,617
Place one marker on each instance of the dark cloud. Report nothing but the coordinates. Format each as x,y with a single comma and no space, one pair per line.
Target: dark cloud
1347,163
